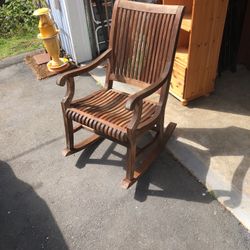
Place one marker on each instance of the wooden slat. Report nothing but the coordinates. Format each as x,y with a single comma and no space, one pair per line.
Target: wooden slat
107,112
144,48
135,45
155,46
122,41
143,39
150,47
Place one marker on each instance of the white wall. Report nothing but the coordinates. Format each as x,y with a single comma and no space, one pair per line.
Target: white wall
70,18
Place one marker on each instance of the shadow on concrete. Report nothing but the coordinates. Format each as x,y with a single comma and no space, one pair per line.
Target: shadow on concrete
85,157
26,222
41,145
212,142
232,95
167,177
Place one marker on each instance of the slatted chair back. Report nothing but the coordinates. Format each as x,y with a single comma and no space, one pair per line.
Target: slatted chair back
141,51
143,40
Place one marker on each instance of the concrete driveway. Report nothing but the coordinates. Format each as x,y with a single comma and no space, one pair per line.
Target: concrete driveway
51,202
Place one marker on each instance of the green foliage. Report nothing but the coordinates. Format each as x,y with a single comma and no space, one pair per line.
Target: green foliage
18,44
16,17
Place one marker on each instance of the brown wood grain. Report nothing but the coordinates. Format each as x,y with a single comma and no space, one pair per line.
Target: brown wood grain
143,41
201,33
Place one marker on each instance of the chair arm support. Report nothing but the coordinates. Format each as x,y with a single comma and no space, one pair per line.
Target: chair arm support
139,96
84,69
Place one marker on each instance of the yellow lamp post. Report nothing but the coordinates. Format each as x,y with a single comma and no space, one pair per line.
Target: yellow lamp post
48,33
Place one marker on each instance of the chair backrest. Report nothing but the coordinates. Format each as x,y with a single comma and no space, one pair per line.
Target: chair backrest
143,39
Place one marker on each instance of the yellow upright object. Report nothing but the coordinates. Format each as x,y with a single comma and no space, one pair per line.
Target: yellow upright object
48,33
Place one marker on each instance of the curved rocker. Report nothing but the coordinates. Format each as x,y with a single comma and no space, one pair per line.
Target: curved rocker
142,47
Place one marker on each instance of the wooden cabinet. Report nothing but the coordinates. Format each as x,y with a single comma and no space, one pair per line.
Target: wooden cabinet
197,55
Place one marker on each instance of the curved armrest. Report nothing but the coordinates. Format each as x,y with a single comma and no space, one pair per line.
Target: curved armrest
135,98
84,69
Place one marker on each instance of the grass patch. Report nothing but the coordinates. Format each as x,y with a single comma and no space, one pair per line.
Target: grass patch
19,44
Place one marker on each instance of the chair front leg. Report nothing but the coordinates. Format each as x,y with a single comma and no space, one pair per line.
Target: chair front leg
131,157
68,123
131,147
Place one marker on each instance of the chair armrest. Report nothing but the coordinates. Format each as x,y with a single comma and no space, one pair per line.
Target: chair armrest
84,69
139,96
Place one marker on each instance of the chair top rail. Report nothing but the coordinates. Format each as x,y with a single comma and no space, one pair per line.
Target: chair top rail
151,8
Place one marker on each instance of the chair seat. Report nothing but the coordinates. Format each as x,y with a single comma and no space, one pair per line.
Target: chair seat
105,112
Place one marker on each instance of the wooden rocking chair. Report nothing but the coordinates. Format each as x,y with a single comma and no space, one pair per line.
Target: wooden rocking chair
142,47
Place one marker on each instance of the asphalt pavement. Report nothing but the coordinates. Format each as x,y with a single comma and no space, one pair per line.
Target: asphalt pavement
51,202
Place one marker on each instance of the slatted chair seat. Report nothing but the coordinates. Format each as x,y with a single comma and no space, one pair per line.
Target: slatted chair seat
104,111
142,46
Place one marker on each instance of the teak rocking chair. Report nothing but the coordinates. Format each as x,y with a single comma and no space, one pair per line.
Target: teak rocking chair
142,47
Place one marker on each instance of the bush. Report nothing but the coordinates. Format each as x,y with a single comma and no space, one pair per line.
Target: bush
16,17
